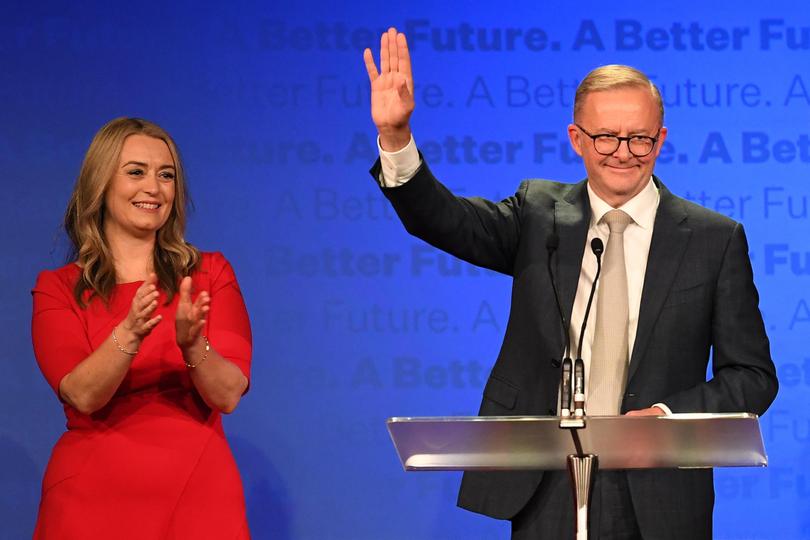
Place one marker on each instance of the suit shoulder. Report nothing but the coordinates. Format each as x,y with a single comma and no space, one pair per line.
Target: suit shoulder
702,217
541,190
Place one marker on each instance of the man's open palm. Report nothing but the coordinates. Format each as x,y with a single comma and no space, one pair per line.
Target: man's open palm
391,89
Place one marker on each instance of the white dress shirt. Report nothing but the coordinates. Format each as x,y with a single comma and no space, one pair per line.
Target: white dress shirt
400,166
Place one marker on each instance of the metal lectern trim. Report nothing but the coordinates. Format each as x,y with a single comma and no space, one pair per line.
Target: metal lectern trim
537,442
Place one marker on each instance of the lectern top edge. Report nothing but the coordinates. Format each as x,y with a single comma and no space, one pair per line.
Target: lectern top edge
450,419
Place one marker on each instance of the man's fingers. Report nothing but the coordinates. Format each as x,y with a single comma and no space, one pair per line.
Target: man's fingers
650,411
404,60
384,55
393,53
368,58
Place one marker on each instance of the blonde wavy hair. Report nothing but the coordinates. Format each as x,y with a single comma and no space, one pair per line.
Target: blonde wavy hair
84,218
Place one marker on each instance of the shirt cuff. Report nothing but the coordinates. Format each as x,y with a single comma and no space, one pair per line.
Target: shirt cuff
664,408
400,166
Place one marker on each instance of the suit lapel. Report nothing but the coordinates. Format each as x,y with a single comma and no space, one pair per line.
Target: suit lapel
670,237
572,216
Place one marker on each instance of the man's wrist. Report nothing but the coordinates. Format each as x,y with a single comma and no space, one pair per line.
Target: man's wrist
393,140
663,407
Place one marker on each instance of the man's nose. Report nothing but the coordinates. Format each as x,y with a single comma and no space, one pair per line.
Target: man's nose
623,151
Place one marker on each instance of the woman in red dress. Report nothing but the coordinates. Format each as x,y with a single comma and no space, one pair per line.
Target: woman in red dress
146,341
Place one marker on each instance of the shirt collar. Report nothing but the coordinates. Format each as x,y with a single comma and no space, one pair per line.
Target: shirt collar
641,208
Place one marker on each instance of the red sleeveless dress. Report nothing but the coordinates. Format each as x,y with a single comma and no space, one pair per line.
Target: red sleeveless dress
154,462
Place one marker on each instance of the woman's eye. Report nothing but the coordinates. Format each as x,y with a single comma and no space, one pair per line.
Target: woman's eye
167,175
135,172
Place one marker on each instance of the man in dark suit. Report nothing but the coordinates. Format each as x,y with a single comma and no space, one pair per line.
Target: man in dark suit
677,280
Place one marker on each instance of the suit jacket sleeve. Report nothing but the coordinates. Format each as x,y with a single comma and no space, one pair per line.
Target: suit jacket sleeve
744,376
476,230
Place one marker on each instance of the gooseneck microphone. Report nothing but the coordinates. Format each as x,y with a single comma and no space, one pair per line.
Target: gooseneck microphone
597,247
552,243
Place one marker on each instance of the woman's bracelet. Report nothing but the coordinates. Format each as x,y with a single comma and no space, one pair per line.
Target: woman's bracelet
204,358
120,348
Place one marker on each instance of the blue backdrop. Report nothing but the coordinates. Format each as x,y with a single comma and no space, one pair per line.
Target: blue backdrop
354,321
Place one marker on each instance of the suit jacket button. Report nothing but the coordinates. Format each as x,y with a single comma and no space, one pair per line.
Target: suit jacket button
555,362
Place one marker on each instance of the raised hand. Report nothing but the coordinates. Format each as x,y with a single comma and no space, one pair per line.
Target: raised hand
391,90
191,316
139,320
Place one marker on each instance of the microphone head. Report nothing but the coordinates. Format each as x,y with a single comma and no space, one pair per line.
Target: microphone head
552,242
597,246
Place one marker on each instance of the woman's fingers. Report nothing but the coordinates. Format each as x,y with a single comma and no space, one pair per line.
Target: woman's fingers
147,305
144,304
185,289
203,299
201,306
198,327
144,291
145,311
151,323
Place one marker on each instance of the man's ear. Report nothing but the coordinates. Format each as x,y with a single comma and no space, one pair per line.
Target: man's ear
574,138
662,136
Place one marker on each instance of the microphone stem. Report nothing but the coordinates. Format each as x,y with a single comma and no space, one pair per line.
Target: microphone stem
588,307
564,323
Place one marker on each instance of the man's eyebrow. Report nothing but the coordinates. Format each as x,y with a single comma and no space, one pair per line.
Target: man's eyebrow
604,131
633,133
641,133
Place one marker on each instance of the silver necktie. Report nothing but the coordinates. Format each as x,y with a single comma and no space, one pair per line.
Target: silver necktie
609,357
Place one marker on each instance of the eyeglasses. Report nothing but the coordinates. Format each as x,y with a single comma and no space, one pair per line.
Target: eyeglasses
606,144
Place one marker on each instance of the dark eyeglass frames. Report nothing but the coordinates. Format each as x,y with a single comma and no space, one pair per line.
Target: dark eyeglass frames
606,144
